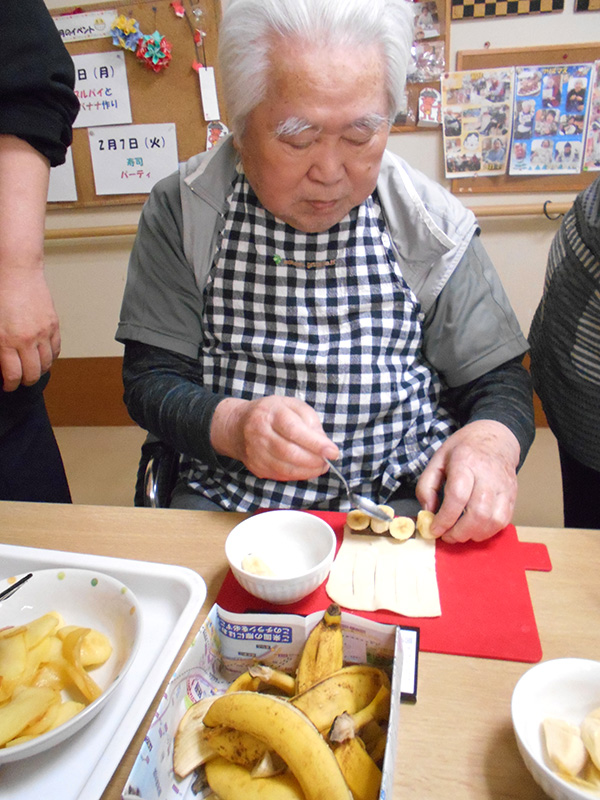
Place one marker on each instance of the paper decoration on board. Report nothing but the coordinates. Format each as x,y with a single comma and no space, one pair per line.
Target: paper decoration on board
62,186
126,33
130,159
198,35
208,92
178,8
102,88
592,142
484,9
429,111
214,132
84,26
587,5
549,119
154,51
476,112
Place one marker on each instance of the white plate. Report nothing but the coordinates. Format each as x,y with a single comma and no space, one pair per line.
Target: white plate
567,688
170,599
88,599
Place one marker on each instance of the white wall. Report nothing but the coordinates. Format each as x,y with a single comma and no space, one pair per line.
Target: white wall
87,276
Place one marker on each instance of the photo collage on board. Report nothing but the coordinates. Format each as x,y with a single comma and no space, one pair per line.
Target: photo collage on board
550,117
522,120
592,143
477,108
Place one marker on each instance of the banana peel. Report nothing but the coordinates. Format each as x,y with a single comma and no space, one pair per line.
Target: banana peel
190,748
347,726
349,689
237,746
287,731
360,772
232,782
323,651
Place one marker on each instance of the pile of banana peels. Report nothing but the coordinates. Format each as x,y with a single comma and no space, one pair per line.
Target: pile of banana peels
320,733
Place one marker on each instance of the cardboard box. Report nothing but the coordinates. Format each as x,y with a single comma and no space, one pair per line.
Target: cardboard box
225,646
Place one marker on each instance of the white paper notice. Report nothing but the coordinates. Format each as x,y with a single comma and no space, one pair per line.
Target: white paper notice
208,91
62,181
89,25
130,159
102,88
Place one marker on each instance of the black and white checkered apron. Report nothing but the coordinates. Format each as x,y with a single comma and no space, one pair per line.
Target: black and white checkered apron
328,318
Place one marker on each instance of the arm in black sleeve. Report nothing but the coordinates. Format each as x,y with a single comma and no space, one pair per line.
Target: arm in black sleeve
37,79
163,396
503,394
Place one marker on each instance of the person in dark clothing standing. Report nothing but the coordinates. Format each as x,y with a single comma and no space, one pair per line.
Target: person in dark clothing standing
38,106
565,357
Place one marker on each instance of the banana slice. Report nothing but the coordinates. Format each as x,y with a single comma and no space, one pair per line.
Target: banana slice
590,733
378,525
402,528
424,520
565,746
256,565
357,520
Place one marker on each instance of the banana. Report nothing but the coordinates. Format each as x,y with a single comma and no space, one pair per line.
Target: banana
402,528
287,731
378,525
361,773
255,564
232,782
190,748
349,689
347,725
424,520
590,733
357,520
234,745
323,651
564,745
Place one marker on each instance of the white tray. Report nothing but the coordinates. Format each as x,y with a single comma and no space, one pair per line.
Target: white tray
170,599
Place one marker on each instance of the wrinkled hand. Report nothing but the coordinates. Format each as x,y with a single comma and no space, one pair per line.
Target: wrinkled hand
477,468
277,438
29,328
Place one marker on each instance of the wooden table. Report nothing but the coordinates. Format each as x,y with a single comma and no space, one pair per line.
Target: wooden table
456,742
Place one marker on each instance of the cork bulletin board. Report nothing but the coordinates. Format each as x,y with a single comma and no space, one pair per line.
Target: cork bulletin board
509,57
172,95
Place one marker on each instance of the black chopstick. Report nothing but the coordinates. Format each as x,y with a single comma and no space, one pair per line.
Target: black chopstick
7,592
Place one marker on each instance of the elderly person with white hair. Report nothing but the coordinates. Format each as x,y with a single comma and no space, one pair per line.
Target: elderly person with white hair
298,293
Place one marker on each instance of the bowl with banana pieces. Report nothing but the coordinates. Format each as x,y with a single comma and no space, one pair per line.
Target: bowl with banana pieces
556,718
281,556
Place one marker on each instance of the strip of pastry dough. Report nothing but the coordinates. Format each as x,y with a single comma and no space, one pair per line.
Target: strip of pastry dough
376,572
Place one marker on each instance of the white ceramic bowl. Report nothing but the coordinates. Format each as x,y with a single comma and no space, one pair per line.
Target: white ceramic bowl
88,599
567,688
299,547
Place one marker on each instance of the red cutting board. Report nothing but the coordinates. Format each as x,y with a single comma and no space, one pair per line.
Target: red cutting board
486,606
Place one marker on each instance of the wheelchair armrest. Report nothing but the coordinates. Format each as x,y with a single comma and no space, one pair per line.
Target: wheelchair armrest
157,475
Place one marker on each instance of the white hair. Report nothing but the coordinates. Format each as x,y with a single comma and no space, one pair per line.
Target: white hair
248,27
